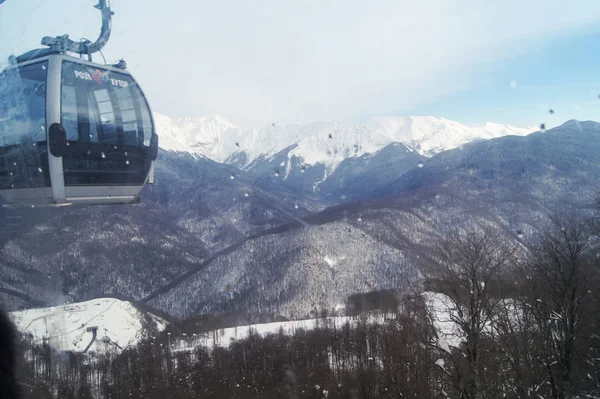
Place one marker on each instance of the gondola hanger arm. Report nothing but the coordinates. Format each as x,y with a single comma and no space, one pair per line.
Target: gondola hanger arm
64,43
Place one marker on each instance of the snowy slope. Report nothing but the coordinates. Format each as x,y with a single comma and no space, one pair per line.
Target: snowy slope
429,135
320,143
440,308
204,136
225,336
119,324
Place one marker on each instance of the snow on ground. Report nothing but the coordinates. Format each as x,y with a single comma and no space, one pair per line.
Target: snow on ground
441,307
65,327
225,336
119,325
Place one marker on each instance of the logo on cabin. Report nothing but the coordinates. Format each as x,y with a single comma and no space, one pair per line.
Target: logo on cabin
100,77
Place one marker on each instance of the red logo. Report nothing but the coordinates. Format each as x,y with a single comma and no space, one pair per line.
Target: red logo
100,77
97,76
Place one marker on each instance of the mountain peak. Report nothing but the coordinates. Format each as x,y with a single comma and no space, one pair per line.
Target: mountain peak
191,122
326,143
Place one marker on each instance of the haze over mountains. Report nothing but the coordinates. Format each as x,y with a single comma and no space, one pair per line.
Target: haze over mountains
251,236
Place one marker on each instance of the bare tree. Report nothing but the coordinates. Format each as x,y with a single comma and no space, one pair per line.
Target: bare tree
561,278
471,269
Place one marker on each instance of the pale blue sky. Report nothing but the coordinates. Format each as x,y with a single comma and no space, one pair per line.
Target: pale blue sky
254,62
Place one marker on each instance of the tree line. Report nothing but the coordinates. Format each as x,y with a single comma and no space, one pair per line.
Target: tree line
525,324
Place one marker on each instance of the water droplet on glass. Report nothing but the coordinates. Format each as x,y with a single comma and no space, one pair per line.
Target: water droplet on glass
115,147
343,197
34,144
246,194
520,234
359,219
127,161
237,145
543,127
551,111
296,206
44,67
232,176
33,206
42,127
437,196
420,164
40,170
11,173
68,144
89,152
330,136
276,173
91,135
14,164
103,154
303,169
125,153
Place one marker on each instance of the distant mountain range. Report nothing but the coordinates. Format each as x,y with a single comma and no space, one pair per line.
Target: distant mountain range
328,143
324,159
218,237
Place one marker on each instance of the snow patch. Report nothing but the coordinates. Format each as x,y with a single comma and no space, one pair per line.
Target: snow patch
331,261
65,327
225,336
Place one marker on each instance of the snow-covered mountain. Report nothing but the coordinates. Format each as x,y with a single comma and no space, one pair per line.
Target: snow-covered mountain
429,136
327,143
206,239
329,159
119,325
201,136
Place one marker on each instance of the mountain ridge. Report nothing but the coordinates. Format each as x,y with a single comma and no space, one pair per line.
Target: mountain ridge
216,138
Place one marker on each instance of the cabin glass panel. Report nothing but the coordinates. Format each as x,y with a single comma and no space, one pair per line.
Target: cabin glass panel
23,149
108,127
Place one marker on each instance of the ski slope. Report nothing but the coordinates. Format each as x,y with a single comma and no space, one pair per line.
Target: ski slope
439,307
120,325
64,327
225,336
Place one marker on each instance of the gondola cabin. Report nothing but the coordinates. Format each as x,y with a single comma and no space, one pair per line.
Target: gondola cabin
73,131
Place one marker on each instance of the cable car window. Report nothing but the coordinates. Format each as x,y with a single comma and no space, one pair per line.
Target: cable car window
124,117
107,117
80,121
23,155
69,112
23,109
